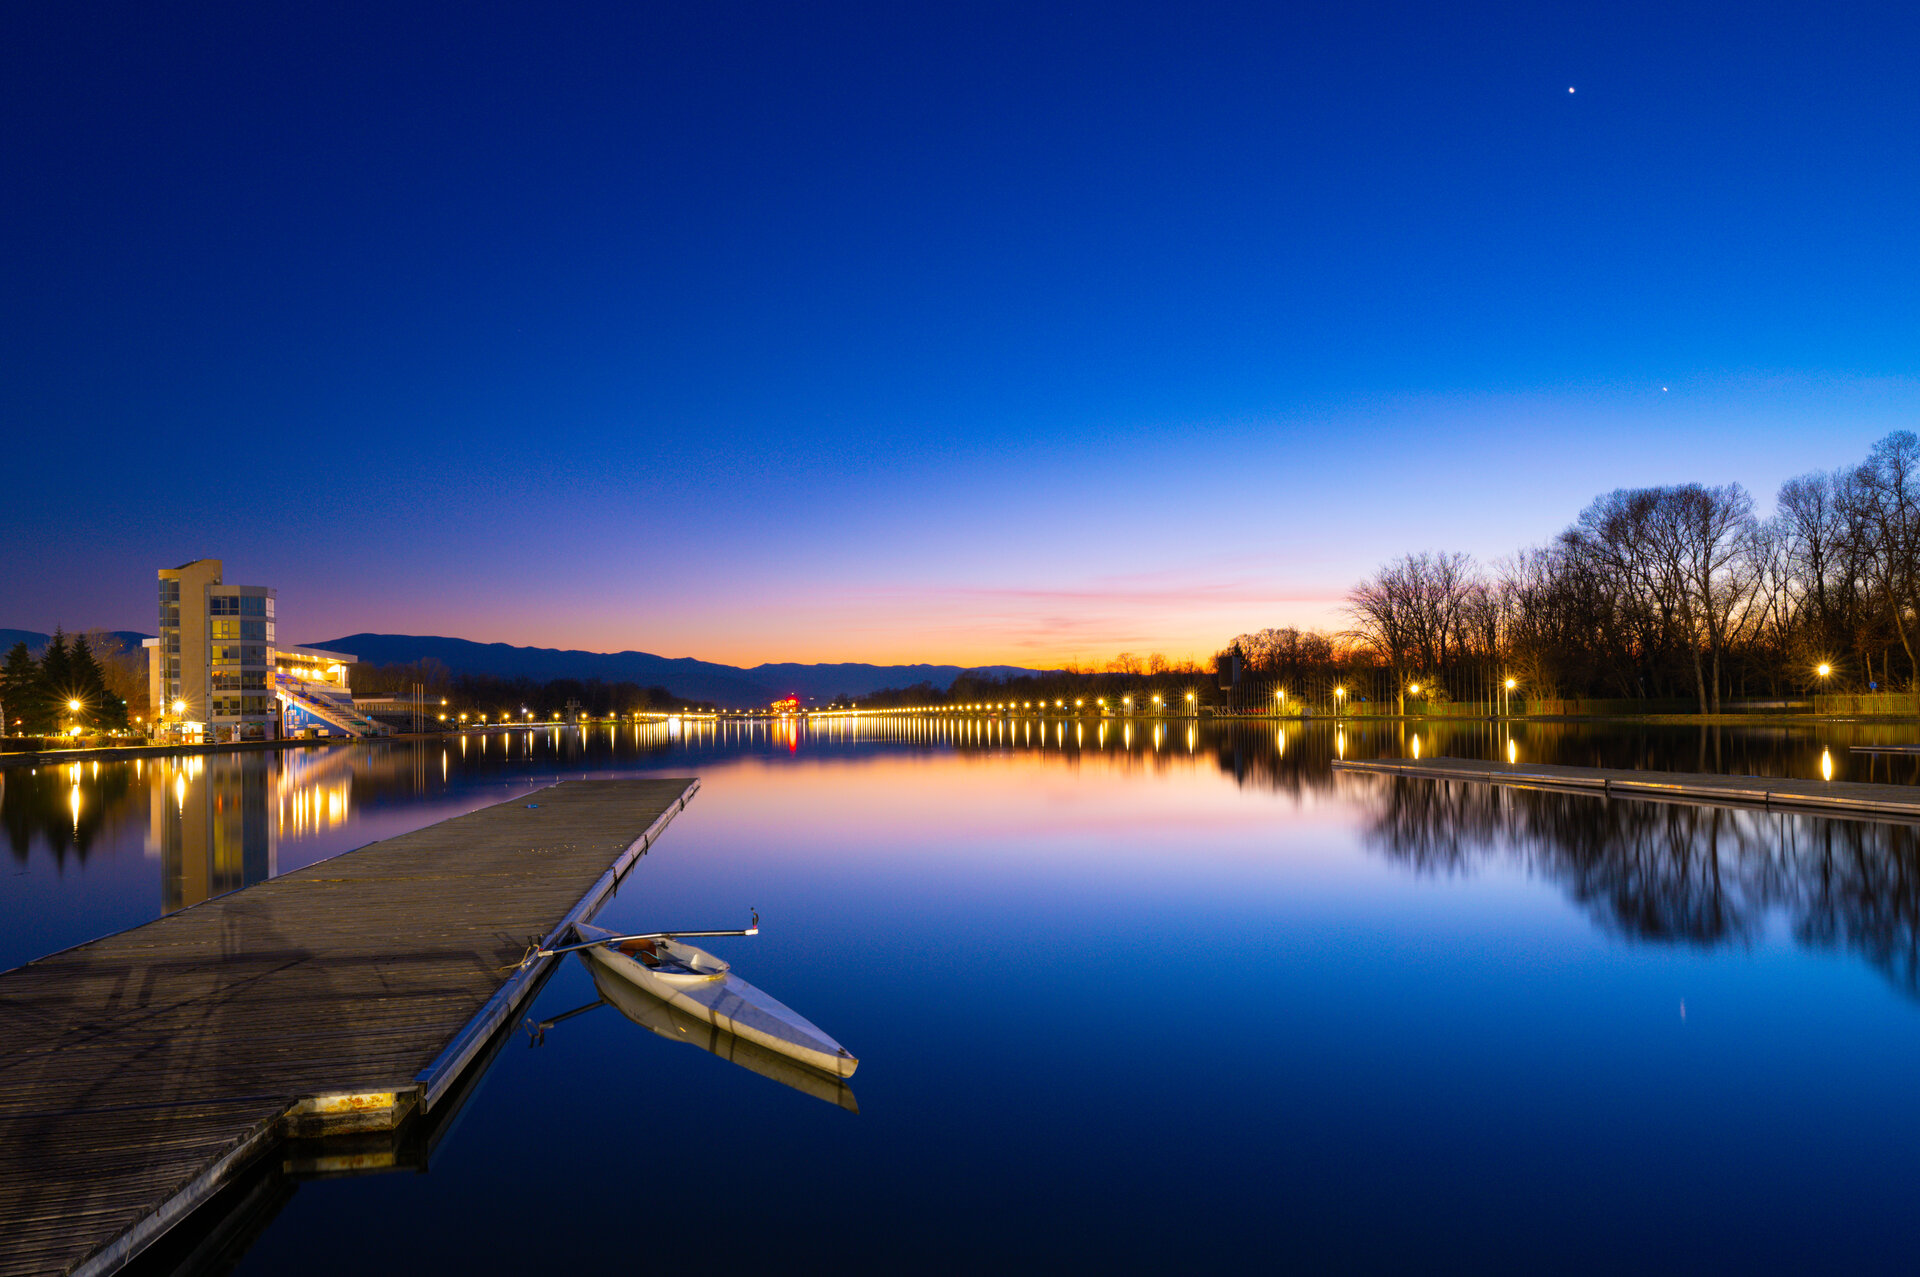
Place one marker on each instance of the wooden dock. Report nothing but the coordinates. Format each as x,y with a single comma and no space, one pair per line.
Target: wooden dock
142,1072
1845,799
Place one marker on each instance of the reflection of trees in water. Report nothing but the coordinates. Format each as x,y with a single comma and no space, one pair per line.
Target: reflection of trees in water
1860,891
1674,873
66,808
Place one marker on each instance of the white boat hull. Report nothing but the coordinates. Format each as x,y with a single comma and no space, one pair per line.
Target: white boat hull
675,1025
730,1003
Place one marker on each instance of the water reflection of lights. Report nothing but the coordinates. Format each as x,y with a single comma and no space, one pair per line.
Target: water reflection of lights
1826,764
73,801
1416,744
315,807
1513,751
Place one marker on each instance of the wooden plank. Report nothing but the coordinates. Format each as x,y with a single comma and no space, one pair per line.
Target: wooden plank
1850,800
140,1072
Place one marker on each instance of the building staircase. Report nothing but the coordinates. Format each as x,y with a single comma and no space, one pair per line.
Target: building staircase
332,705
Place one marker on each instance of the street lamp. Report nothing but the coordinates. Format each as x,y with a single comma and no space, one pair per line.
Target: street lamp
1509,706
1340,702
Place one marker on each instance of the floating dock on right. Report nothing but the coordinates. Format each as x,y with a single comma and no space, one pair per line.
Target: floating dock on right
1845,799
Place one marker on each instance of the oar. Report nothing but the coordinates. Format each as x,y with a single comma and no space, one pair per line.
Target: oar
537,1032
753,930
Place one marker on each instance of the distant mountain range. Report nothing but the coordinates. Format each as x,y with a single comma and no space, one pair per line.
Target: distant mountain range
37,642
728,685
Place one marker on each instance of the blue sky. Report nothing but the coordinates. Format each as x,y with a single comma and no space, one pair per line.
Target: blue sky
972,333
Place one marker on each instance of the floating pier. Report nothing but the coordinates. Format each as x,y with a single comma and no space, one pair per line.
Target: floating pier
1844,799
141,1073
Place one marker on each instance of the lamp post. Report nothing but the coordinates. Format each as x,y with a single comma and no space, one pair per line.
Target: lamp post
1340,704
1508,689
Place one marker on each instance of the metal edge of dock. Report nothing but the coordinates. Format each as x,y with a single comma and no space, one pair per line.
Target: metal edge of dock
432,1082
438,1076
1727,791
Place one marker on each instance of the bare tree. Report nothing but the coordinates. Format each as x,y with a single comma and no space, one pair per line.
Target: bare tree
1413,613
1711,532
1886,510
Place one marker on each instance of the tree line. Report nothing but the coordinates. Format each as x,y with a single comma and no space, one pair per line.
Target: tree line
512,698
1130,674
67,686
1677,592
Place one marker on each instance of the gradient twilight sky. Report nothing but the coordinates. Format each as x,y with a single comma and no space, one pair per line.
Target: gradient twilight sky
897,332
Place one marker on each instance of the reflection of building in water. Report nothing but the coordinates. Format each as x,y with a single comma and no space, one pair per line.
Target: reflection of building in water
211,827
217,823
312,792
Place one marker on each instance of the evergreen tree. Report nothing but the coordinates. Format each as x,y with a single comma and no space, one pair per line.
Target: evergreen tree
90,686
19,692
56,683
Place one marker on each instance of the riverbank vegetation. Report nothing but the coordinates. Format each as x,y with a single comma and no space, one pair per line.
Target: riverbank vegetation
1671,598
1679,591
513,698
73,682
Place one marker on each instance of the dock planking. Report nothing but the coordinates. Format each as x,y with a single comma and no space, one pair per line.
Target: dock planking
1850,800
140,1072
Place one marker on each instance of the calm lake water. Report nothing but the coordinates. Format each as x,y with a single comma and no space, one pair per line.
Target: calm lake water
1138,997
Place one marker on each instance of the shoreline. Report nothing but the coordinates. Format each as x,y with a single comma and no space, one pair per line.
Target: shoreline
55,757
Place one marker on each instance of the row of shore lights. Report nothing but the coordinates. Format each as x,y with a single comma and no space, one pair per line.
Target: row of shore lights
1079,703
1340,693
